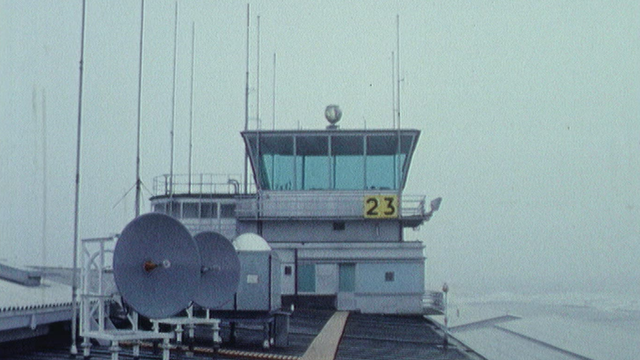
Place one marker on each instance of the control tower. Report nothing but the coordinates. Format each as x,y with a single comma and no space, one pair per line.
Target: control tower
331,204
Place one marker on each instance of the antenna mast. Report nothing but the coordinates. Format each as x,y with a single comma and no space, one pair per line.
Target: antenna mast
246,112
44,179
193,51
393,87
173,99
400,164
138,181
258,124
74,286
273,106
398,63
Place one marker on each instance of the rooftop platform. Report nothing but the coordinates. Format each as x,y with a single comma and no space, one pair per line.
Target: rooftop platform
352,335
30,303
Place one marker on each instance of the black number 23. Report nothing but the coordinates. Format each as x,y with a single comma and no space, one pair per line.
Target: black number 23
388,208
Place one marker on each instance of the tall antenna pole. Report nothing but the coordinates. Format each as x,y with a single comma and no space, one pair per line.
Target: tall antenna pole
193,51
399,176
273,105
246,112
393,88
258,124
74,276
138,181
398,63
44,179
173,99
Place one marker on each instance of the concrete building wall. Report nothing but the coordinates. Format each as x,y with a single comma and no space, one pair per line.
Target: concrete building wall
389,303
331,231
389,277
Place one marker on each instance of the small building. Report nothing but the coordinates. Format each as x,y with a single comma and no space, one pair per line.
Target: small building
331,204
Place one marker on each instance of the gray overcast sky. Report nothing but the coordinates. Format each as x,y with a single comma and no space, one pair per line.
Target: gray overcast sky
529,111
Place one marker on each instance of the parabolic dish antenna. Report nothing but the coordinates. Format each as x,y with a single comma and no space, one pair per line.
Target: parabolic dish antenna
156,265
220,270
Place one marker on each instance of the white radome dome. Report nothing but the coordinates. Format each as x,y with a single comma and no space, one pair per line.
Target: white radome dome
251,242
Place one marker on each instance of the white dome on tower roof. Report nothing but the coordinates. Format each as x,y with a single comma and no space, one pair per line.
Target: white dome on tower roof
251,242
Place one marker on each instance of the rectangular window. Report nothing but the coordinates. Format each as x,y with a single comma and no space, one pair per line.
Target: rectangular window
208,210
227,210
339,225
288,270
312,162
277,163
173,209
307,278
347,154
190,210
389,276
159,208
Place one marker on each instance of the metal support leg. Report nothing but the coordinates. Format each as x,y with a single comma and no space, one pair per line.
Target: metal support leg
115,350
156,329
136,350
165,349
217,340
86,348
191,338
265,335
179,332
232,335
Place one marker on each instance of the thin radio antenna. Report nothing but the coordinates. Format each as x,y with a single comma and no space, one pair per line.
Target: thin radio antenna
193,51
44,179
74,277
173,99
138,181
273,106
258,125
393,88
399,176
398,64
246,112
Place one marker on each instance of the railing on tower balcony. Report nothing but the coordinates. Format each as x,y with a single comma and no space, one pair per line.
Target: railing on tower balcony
319,204
198,184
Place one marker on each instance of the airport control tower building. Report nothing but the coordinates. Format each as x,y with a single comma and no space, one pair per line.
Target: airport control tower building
331,204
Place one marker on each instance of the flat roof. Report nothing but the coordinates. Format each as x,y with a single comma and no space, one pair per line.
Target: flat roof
364,336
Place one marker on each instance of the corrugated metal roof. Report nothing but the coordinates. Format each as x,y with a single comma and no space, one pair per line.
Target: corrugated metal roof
16,297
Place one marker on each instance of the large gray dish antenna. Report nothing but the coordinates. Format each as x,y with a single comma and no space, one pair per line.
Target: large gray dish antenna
156,265
220,270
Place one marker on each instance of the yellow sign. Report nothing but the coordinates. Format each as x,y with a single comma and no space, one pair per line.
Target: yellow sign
381,206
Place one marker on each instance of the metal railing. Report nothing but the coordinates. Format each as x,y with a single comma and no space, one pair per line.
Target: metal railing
198,184
318,204
433,302
227,229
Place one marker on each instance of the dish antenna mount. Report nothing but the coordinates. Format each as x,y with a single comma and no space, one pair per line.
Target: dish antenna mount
160,269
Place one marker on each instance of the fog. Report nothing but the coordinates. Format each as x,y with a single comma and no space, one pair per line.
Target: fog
529,112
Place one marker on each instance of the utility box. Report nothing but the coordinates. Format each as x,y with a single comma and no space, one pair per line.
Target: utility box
259,287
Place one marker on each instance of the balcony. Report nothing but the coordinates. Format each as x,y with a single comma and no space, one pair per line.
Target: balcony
301,205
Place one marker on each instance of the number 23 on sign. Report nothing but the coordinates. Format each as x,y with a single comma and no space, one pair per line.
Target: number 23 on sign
381,206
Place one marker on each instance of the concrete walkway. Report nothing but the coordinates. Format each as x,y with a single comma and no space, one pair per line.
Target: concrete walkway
325,345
